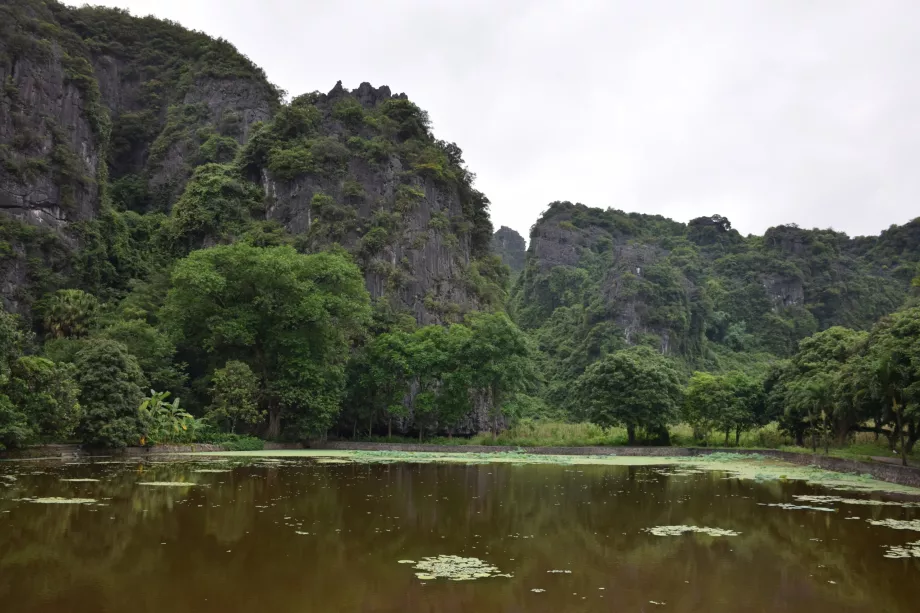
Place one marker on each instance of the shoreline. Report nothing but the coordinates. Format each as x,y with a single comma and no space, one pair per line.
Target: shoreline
889,473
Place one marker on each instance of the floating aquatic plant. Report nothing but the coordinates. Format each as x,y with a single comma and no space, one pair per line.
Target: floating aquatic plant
58,500
897,524
537,590
678,530
857,501
564,572
168,483
213,470
795,507
910,550
454,568
81,480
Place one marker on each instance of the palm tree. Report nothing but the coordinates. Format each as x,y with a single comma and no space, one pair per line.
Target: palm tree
69,312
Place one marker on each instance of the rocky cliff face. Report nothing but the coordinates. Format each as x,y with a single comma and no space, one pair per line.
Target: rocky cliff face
361,169
53,131
510,247
612,279
100,108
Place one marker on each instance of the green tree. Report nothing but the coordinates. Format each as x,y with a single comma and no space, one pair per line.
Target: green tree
635,388
813,392
162,421
154,350
14,426
47,395
235,396
894,374
215,205
69,313
111,384
709,402
499,362
290,317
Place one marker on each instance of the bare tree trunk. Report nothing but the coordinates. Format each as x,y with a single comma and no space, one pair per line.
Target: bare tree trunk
900,419
420,434
274,423
631,434
370,426
354,429
814,434
738,436
727,430
826,451
390,428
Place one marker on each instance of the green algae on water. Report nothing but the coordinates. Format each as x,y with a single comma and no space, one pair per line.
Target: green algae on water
679,530
58,500
167,483
909,550
897,524
455,568
855,501
795,507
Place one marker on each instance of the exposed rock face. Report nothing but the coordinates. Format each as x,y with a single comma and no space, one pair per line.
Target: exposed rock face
369,176
98,104
51,135
510,247
631,278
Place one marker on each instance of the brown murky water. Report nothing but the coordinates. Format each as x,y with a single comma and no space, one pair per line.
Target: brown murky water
297,536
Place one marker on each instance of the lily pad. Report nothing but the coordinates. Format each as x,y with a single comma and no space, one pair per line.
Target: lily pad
897,524
167,483
795,507
679,530
910,550
455,568
58,500
856,501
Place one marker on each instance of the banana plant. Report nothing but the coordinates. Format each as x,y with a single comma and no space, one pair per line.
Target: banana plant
164,422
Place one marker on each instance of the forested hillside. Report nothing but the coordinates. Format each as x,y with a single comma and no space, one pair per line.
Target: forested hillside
167,222
186,256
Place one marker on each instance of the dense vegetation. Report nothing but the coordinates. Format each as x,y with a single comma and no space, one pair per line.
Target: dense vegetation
326,267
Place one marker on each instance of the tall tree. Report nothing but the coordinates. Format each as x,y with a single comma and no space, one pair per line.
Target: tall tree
290,317
635,388
894,374
111,388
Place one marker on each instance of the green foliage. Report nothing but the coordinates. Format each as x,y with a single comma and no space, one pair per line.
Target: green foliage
437,376
235,395
164,422
726,403
216,205
290,317
154,350
110,382
636,388
68,313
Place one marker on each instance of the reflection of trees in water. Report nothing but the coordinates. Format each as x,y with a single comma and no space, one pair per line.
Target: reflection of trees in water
577,516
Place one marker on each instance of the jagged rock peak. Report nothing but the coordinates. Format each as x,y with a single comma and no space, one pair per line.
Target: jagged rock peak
508,244
368,95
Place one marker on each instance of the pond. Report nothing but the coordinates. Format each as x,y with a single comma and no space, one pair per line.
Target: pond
368,534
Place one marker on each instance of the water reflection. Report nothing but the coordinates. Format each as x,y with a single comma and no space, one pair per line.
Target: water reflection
300,536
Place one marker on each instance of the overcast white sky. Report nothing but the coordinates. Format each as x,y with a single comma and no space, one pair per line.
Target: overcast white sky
766,111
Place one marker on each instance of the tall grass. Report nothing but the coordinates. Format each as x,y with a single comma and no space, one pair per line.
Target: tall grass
562,434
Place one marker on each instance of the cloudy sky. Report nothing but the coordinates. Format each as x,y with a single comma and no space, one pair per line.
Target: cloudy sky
766,111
